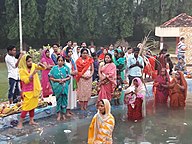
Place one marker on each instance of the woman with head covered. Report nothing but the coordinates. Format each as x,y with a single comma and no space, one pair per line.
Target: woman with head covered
102,124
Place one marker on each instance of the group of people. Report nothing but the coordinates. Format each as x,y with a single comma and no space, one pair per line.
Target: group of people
67,73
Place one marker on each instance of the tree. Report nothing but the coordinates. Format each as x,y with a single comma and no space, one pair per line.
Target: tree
52,19
67,18
120,18
30,19
12,20
90,19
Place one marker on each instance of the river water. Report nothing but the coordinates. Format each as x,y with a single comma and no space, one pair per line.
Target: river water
160,126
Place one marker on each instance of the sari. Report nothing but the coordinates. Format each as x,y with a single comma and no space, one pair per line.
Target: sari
121,66
82,66
107,86
161,94
101,127
149,69
46,87
60,89
135,100
72,97
30,98
177,95
84,86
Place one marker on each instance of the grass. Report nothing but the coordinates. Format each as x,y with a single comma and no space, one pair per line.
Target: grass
3,82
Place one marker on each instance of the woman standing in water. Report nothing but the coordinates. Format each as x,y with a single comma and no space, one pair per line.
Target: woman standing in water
102,124
161,87
60,79
178,91
107,77
48,62
31,87
84,78
72,98
134,97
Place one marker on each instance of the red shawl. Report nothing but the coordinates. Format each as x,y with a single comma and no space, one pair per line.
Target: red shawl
82,66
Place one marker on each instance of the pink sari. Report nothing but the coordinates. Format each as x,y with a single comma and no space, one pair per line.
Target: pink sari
107,85
46,87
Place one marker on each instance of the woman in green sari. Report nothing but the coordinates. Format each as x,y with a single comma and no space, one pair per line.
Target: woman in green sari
59,79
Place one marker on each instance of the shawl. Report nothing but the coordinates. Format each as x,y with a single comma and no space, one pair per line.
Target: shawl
46,59
82,66
101,127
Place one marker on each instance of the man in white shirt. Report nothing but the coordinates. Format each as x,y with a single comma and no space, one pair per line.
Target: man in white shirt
181,48
13,74
135,65
84,45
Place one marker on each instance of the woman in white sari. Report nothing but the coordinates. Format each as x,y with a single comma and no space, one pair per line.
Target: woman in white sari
72,97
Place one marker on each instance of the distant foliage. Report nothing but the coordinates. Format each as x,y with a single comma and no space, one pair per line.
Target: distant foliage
86,20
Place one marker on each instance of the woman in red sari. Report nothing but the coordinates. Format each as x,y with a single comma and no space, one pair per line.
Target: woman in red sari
107,77
48,62
178,91
85,70
161,87
134,97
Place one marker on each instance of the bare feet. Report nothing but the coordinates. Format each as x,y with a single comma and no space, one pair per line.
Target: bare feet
71,113
58,117
19,126
33,123
68,114
64,118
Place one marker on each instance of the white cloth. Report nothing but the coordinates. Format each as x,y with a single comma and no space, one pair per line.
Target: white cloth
12,70
72,96
180,47
75,55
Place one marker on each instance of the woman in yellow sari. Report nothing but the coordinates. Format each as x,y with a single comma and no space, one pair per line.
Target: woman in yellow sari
102,124
31,87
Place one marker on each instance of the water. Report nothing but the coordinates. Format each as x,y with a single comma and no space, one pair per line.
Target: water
161,126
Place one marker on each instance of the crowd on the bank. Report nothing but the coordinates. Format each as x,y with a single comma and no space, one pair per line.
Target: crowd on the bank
68,72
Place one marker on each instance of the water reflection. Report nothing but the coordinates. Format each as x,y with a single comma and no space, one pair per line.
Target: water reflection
161,125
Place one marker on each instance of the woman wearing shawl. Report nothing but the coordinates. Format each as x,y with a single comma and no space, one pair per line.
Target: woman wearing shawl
59,76
107,76
72,98
134,97
85,70
178,91
31,87
160,87
102,124
48,62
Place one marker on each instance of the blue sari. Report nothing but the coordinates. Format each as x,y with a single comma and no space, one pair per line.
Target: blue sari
60,90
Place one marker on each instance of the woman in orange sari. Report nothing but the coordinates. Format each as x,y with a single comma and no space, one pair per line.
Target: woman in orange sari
85,70
178,91
107,76
102,124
